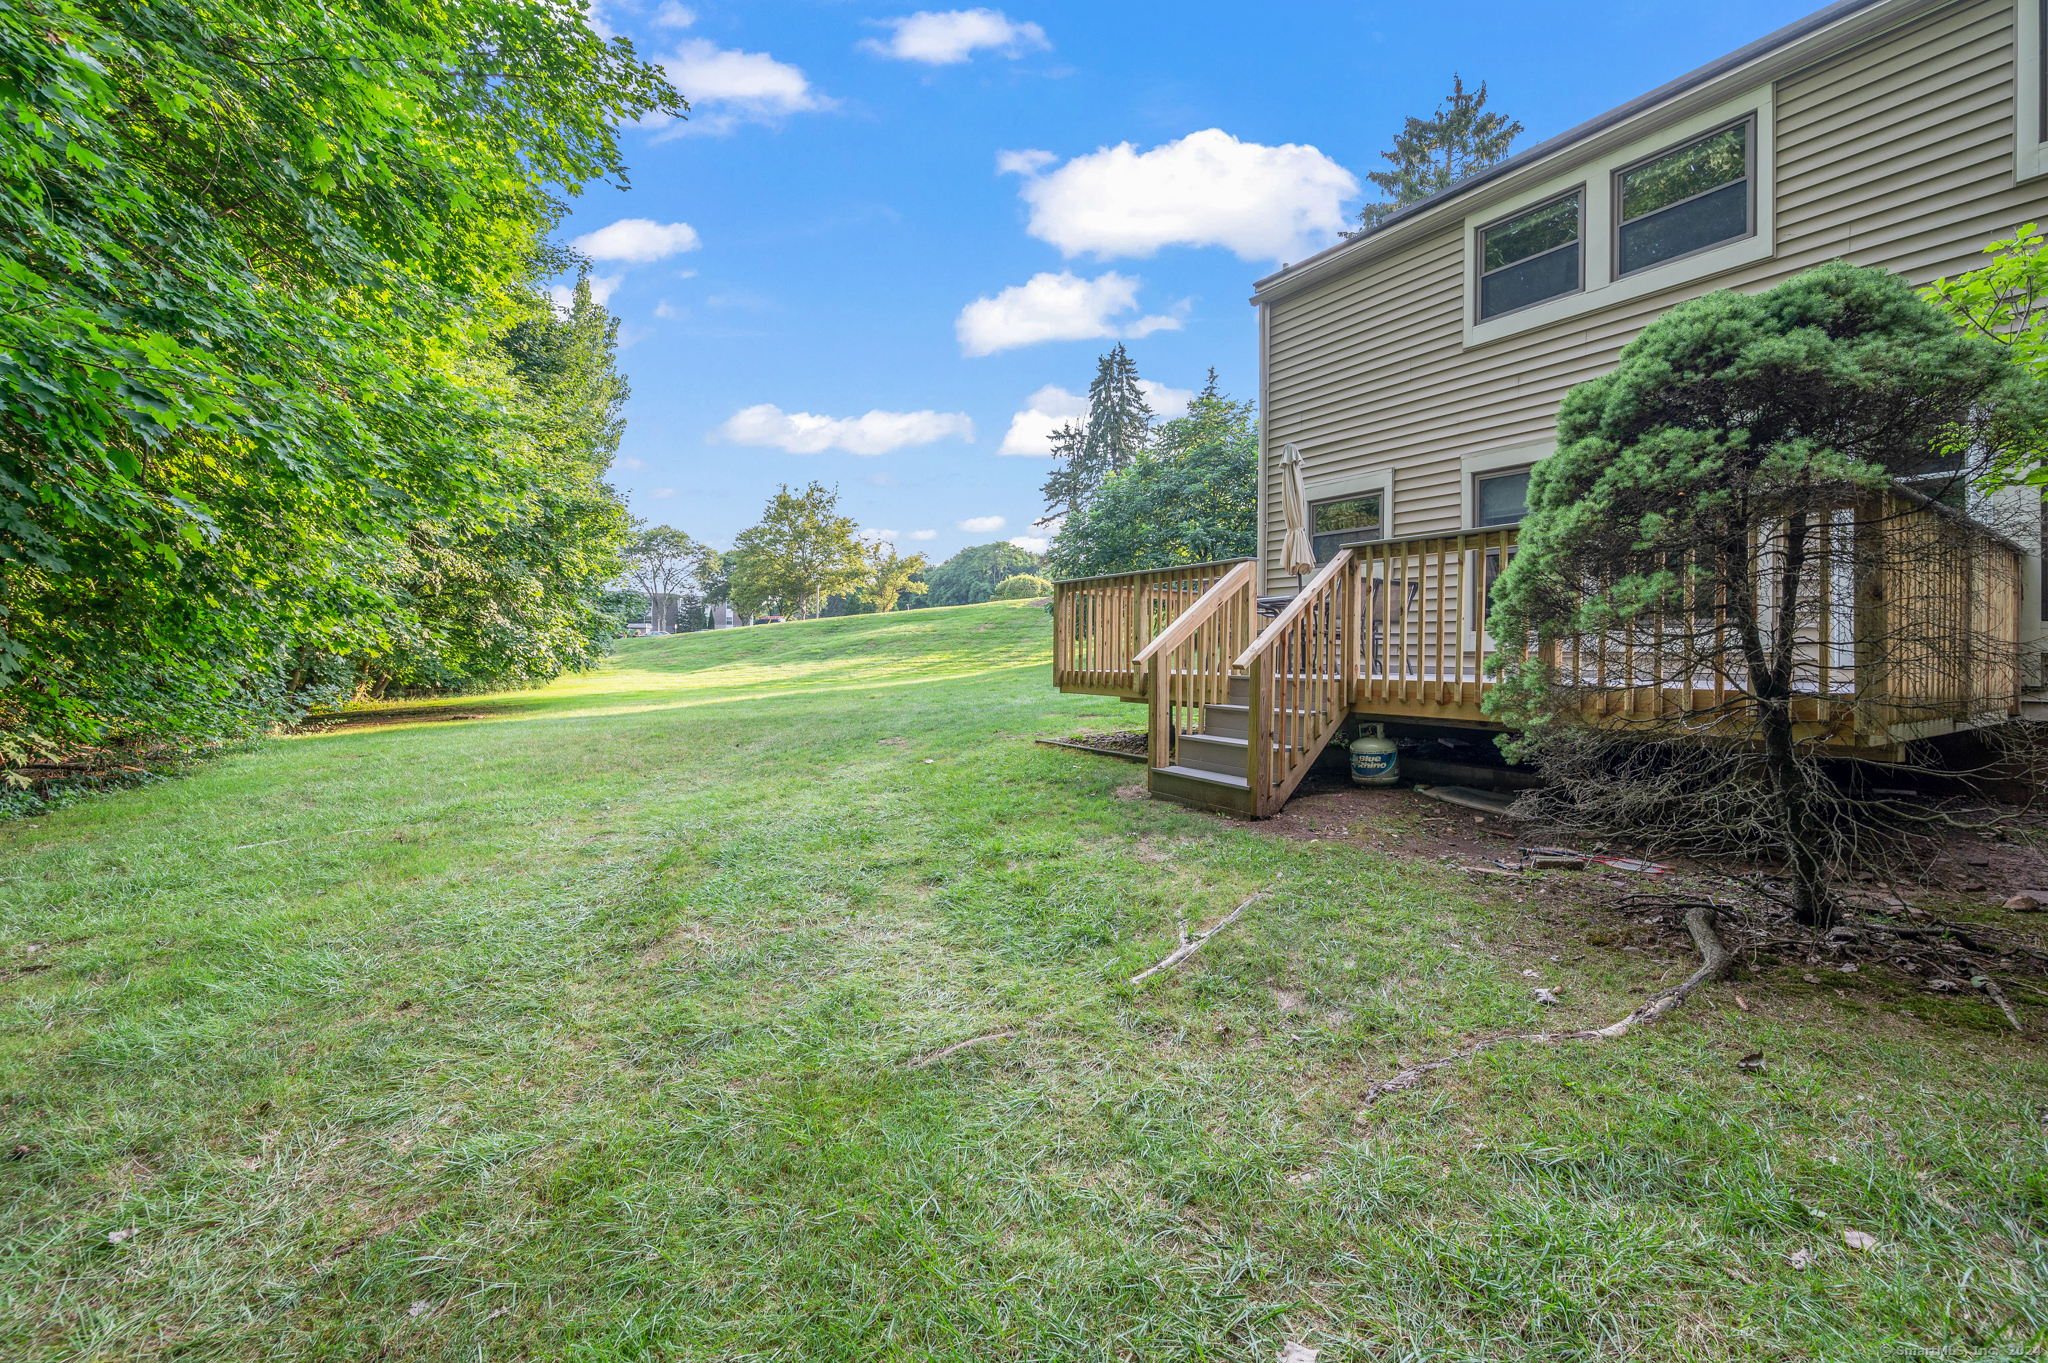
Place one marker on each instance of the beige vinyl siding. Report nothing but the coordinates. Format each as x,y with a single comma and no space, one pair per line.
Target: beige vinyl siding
1897,152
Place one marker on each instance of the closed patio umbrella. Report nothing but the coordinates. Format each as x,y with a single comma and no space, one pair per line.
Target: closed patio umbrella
1297,551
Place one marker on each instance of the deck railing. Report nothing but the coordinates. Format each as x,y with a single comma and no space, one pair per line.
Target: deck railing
1906,625
1188,664
1424,603
1302,671
1101,624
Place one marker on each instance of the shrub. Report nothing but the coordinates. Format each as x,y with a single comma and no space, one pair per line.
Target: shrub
1021,587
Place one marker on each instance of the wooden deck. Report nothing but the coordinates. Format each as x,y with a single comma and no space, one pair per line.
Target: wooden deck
1395,630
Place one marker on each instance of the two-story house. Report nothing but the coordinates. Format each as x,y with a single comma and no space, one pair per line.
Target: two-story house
1416,369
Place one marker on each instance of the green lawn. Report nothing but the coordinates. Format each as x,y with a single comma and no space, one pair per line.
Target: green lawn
579,1031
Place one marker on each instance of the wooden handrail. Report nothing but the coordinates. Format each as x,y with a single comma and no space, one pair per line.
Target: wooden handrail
1171,568
1189,620
1341,563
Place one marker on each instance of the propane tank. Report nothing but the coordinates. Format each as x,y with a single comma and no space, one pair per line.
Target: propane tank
1375,761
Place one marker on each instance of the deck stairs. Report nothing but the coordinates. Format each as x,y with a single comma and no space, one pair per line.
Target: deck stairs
1208,765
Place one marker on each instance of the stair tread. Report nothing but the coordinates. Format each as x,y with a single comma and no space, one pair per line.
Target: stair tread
1225,739
1213,777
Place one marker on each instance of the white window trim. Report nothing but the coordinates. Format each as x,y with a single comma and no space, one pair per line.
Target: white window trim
1334,486
1470,468
1598,288
2030,152
1493,461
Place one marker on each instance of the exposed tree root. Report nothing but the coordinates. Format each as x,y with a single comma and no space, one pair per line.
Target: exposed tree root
1990,986
1716,960
1188,947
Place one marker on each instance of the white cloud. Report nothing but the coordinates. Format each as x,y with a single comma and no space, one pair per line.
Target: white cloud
667,311
663,492
1166,403
878,479
1207,189
981,525
880,536
602,287
672,15
1023,162
1031,544
727,87
946,37
638,241
876,433
924,534
1054,307
629,462
1045,411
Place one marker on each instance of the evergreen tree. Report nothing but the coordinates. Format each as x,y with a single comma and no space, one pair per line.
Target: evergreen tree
1432,154
1118,431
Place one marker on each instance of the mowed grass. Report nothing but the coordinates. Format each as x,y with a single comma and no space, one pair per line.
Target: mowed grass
580,1031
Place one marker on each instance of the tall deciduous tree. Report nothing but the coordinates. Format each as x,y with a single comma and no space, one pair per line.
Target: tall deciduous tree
1434,153
1752,511
246,256
802,551
1118,430
663,563
890,578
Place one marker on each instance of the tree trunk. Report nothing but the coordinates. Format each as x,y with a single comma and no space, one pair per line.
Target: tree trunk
1770,683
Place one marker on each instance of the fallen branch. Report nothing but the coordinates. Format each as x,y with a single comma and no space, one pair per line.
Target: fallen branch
1716,962
1190,947
942,1053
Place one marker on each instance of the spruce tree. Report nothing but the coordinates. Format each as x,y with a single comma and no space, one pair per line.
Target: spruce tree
1118,431
1432,154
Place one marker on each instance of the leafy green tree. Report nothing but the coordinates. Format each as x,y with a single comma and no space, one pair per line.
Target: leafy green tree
890,578
972,575
802,552
1118,430
1704,496
2006,302
1432,154
663,563
247,257
1193,498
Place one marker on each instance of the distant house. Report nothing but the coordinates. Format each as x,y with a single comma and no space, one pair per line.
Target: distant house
639,628
1417,367
722,617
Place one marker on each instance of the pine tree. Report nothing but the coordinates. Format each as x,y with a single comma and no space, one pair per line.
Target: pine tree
1435,153
1118,431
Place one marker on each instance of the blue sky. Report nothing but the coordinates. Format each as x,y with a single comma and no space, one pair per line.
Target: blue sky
885,233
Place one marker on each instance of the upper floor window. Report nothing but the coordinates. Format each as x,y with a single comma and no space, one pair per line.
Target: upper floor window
1348,520
1684,200
1530,257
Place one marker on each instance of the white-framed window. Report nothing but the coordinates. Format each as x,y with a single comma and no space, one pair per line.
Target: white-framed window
1345,520
1496,497
1686,199
1348,508
1665,239
2030,131
1531,256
